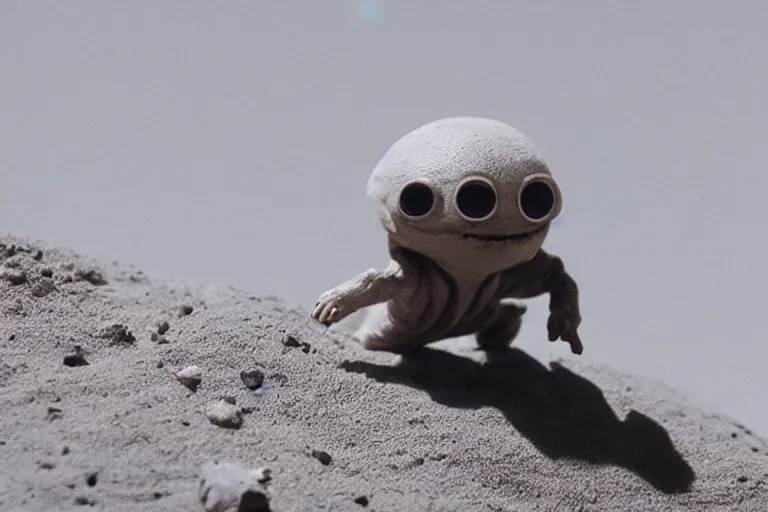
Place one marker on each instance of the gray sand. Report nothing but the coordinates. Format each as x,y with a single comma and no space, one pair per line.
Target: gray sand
334,426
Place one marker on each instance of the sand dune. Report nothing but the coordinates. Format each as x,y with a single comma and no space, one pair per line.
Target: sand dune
272,411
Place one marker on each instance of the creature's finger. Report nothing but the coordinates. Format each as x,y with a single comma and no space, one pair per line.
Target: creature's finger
325,314
576,346
553,329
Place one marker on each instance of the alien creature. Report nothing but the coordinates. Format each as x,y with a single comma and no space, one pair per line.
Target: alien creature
466,203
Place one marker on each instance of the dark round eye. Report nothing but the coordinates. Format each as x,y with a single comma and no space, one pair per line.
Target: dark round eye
416,200
476,200
537,199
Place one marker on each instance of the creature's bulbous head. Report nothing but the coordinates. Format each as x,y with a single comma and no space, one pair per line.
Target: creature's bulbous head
471,193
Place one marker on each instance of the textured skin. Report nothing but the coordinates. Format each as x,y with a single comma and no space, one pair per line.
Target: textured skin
444,280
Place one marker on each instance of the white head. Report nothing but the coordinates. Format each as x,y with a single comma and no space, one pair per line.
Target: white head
471,193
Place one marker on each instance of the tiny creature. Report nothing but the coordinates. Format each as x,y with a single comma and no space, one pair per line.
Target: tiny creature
466,203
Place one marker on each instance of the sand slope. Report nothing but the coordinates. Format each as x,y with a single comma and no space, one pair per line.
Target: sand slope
443,432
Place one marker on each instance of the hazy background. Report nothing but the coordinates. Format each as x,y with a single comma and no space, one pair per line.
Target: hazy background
230,142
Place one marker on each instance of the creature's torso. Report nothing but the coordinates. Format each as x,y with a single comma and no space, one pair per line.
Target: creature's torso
441,306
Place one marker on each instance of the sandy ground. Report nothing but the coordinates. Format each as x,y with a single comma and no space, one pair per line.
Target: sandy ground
328,426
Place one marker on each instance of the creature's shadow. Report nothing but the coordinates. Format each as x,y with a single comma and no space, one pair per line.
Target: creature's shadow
562,414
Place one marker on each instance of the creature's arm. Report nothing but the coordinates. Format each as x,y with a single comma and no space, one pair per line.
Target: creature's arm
371,287
546,273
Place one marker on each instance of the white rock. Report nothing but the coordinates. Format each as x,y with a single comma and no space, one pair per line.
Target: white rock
224,414
191,377
228,487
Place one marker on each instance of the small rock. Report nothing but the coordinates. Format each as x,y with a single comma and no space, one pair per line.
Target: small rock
253,379
47,272
742,479
154,336
185,423
38,256
84,501
362,501
290,341
76,359
65,450
185,310
11,337
47,465
42,288
223,414
322,456
228,487
229,399
191,377
91,276
117,334
13,276
262,475
54,413
305,347
163,327
160,364
92,479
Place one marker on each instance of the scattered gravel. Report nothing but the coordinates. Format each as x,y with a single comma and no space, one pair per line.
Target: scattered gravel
449,430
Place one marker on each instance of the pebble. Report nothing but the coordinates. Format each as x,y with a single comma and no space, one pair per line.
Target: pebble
185,310
85,501
262,475
163,327
118,334
91,276
76,359
191,377
362,501
54,413
322,456
253,379
290,341
228,487
42,288
223,414
14,277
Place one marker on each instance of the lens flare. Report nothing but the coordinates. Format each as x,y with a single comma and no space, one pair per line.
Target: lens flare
369,11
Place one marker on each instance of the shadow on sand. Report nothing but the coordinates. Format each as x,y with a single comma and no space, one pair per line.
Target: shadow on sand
562,414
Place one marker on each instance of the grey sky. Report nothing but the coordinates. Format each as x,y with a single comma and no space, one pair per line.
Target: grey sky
230,142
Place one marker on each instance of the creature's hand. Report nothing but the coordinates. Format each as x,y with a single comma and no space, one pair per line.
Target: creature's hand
563,323
331,307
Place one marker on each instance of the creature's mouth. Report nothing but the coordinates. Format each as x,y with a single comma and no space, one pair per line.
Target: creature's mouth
503,238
